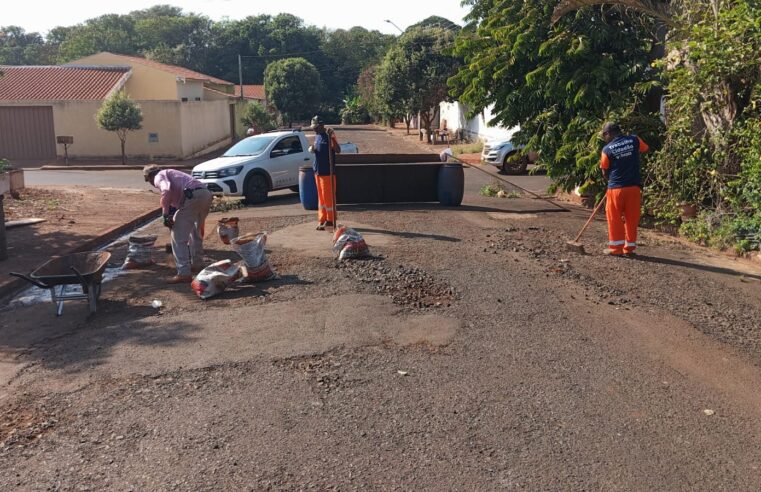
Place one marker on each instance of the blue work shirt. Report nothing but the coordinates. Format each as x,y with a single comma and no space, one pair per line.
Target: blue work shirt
321,164
621,158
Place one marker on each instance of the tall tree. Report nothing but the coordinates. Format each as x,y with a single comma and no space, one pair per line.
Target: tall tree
414,73
293,86
18,47
557,82
111,32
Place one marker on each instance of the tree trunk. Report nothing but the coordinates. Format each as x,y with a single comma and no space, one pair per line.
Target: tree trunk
124,160
407,121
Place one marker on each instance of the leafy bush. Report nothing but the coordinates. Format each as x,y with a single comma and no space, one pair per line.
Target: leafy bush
4,165
256,116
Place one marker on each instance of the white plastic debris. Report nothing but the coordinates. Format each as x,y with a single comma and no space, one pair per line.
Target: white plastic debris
156,304
402,373
708,412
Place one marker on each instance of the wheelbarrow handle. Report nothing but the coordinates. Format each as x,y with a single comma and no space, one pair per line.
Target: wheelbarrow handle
30,280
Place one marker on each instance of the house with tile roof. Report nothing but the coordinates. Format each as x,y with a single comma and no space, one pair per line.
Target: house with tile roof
252,93
185,113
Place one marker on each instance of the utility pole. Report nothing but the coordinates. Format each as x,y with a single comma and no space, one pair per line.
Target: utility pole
240,75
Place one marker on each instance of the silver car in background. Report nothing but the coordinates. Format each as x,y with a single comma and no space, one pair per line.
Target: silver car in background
505,155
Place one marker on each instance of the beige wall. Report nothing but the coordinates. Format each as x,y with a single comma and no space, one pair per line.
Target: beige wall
78,120
190,89
183,128
204,124
145,84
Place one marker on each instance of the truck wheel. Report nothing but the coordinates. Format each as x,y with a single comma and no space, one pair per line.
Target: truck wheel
514,164
256,189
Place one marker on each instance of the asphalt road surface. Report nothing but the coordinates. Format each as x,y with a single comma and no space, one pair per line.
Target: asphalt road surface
473,351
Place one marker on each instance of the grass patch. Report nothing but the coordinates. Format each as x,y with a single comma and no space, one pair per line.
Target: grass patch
471,148
495,189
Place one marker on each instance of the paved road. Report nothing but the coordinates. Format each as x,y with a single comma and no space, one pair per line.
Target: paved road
473,352
100,179
369,139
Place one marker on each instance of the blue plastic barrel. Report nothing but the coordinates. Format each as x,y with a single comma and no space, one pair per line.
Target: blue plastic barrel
307,188
451,184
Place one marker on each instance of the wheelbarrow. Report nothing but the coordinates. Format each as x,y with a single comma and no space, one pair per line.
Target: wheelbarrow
58,274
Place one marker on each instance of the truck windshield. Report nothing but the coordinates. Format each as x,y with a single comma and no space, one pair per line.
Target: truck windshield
249,146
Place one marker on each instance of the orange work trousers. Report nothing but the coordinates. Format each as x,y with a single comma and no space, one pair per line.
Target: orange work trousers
623,210
326,210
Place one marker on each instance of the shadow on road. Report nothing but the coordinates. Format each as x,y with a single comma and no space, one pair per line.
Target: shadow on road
411,207
695,266
409,235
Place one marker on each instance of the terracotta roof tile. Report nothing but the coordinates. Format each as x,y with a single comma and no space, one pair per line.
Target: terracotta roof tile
178,71
251,92
55,83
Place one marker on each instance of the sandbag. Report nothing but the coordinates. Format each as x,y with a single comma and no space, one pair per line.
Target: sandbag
140,252
349,244
227,228
250,247
215,278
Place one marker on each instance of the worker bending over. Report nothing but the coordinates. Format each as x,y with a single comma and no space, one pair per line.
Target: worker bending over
192,200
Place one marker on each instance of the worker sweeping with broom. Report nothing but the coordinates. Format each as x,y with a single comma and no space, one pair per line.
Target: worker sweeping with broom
325,148
620,164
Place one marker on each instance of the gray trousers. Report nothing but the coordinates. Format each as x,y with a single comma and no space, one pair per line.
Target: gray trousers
187,241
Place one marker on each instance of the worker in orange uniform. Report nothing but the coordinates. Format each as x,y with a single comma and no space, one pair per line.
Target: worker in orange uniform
325,148
620,165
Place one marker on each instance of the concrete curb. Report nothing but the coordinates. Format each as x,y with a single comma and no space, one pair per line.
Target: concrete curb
16,285
129,167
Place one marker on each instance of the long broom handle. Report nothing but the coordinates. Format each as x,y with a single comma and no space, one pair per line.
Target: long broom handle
591,218
332,160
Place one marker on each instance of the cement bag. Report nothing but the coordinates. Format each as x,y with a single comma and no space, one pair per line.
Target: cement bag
215,278
250,247
349,244
227,228
140,252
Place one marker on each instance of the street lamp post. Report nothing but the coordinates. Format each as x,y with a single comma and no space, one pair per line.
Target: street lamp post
400,29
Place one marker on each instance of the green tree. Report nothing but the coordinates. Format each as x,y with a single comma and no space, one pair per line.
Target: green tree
413,76
559,82
111,32
121,115
293,86
256,116
18,47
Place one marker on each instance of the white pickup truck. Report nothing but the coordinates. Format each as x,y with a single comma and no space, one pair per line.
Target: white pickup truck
257,165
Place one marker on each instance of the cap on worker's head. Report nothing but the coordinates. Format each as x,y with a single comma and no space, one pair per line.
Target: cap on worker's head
150,170
611,128
317,121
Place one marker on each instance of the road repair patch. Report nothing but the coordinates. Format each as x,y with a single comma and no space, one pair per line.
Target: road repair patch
161,344
308,241
511,216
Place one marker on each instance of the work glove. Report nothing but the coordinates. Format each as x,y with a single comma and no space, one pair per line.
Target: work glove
168,221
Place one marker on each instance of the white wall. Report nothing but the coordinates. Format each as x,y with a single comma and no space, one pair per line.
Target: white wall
477,127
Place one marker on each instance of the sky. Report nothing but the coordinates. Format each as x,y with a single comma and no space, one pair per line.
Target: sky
42,15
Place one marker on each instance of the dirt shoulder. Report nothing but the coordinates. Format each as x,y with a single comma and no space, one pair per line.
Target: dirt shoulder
73,215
